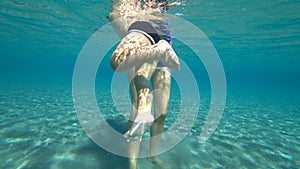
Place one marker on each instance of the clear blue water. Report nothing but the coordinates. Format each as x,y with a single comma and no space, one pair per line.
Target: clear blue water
258,44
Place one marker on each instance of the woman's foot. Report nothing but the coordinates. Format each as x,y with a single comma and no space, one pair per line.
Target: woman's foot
159,164
140,125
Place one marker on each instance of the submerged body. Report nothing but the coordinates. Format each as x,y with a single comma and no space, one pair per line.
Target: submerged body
145,52
128,18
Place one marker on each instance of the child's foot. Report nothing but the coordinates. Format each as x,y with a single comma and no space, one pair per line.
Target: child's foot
170,58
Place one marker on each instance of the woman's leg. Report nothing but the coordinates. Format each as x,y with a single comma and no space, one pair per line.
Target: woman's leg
140,111
161,82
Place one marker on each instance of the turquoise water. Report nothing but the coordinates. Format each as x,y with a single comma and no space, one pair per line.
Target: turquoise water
258,44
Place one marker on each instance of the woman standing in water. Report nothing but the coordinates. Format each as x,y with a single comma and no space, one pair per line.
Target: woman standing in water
145,52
